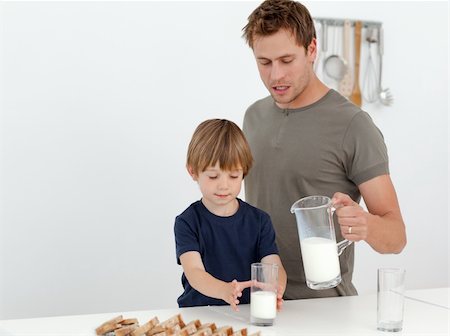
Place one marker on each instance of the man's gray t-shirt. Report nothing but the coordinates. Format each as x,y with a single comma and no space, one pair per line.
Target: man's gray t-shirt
326,147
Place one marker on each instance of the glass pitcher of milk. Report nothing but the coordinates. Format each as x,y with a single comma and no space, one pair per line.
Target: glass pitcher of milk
320,253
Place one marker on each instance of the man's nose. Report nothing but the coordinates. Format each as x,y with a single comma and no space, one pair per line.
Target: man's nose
276,72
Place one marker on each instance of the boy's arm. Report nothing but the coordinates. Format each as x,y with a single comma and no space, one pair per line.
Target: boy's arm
282,276
208,285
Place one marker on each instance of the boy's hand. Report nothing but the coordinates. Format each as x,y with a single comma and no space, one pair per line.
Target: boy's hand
280,292
271,288
233,291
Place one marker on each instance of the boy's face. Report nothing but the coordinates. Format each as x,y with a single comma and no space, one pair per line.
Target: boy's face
219,189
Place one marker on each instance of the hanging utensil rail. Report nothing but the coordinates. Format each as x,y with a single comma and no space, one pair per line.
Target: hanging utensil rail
340,22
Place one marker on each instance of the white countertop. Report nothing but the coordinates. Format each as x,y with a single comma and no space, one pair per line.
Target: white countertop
351,315
436,296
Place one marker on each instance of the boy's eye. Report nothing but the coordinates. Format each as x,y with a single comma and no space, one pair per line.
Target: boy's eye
234,176
212,177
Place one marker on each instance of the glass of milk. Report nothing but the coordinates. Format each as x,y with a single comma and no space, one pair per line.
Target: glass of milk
320,253
263,294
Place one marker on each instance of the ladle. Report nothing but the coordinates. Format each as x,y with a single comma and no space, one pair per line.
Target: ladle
335,66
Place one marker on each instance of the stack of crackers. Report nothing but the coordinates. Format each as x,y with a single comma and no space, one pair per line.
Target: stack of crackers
173,326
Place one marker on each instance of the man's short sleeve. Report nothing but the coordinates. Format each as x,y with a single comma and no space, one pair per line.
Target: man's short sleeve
365,151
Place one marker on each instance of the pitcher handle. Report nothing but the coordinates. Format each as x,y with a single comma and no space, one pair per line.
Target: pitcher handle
342,245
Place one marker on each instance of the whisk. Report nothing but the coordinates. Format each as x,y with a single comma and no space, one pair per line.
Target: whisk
385,95
370,85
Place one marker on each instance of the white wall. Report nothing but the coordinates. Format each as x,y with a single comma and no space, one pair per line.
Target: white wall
98,103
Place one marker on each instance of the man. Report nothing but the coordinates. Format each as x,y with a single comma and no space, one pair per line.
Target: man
307,139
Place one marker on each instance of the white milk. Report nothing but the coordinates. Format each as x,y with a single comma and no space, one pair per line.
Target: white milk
263,304
320,259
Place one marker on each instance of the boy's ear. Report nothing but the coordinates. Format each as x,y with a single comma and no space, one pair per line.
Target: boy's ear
191,172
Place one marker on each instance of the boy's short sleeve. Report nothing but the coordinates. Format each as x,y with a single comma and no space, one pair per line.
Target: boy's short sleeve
186,237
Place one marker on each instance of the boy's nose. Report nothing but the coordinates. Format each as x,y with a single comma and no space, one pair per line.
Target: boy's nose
223,183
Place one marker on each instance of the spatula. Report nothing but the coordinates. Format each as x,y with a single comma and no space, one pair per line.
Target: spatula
356,94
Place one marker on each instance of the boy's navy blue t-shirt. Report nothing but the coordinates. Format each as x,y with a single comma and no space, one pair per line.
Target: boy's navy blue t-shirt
227,246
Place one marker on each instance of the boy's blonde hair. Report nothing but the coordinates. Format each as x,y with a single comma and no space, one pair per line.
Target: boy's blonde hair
222,141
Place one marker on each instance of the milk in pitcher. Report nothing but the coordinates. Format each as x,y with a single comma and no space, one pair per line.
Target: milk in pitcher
320,259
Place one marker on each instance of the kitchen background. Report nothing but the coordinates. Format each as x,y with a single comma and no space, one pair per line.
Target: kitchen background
98,101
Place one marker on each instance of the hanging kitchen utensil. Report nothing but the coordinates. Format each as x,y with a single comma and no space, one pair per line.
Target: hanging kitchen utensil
346,84
385,95
321,48
356,94
335,66
370,82
318,27
324,45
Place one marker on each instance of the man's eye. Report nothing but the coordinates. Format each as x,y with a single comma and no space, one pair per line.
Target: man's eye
288,60
264,62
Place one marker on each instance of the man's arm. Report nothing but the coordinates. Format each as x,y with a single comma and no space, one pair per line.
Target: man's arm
382,227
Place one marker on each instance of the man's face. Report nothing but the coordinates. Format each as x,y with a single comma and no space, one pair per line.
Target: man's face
284,66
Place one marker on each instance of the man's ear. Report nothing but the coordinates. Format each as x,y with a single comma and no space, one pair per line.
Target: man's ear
192,173
312,49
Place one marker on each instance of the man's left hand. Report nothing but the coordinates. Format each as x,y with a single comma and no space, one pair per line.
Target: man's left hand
352,218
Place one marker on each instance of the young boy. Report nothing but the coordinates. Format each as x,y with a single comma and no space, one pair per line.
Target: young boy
220,236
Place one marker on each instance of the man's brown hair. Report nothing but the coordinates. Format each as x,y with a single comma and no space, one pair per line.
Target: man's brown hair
222,141
273,15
